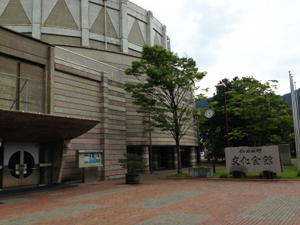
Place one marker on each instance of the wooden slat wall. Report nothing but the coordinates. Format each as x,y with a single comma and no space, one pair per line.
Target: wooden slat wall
86,93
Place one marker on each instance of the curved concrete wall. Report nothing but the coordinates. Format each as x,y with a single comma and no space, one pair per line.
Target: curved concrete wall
122,27
114,36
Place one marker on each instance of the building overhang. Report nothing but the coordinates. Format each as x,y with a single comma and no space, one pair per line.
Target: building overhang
28,126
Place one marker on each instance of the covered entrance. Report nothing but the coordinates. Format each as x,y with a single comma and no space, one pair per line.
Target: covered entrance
33,147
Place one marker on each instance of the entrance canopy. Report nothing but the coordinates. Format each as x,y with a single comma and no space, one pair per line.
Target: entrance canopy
28,126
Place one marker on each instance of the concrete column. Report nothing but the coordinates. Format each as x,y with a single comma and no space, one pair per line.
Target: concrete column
59,153
170,161
155,162
37,19
193,159
145,158
124,25
169,43
150,30
85,27
164,37
175,158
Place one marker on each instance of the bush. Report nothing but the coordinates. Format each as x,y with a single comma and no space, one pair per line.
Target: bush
132,162
223,175
196,167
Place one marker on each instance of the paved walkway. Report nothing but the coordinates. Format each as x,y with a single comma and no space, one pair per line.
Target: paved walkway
159,201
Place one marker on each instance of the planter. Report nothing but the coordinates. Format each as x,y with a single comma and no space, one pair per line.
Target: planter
132,178
200,172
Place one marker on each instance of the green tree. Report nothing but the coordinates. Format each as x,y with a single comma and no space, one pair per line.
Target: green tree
264,113
165,91
256,114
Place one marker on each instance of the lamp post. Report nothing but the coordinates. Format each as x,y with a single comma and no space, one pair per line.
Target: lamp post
222,85
209,113
150,146
149,97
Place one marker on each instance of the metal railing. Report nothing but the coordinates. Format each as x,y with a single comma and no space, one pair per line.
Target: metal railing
25,85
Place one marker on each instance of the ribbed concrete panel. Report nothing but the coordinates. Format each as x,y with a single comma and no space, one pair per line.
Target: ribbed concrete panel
156,40
101,45
61,40
143,28
135,35
114,17
28,8
99,25
94,11
47,7
74,7
3,5
61,17
14,14
130,21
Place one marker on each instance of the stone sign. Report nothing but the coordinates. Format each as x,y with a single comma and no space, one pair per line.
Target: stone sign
253,159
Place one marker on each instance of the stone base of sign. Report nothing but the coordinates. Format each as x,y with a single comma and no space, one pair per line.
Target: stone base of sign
268,174
200,172
285,154
238,174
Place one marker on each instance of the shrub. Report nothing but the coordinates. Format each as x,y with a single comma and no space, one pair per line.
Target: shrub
196,167
224,175
132,162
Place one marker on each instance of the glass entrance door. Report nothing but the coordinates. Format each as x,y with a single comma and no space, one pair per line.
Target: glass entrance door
20,164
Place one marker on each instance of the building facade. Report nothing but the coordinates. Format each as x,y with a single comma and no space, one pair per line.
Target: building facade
64,114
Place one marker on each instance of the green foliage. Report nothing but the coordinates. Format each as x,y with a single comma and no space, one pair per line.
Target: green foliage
201,166
132,162
262,111
256,115
224,175
164,91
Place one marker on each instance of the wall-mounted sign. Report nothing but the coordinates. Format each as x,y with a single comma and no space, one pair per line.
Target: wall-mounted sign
253,159
88,158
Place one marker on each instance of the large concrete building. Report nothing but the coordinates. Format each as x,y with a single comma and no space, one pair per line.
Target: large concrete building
64,114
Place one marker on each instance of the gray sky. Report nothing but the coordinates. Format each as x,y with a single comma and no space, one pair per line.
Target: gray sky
229,38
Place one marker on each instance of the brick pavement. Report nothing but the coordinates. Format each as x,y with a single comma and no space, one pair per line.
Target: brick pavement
159,201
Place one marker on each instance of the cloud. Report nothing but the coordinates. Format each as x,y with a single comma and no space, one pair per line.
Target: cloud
202,29
229,38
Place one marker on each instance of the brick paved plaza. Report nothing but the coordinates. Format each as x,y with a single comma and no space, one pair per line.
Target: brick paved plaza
159,201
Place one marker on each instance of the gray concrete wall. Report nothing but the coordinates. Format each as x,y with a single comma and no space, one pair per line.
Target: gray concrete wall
82,23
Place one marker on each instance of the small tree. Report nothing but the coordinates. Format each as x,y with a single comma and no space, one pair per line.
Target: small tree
165,91
132,162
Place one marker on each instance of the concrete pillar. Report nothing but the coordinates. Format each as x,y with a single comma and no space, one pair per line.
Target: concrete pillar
145,158
37,19
170,161
175,158
164,37
85,27
155,162
193,159
124,25
150,30
169,43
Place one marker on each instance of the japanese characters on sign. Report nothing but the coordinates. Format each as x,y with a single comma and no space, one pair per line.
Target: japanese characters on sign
253,159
